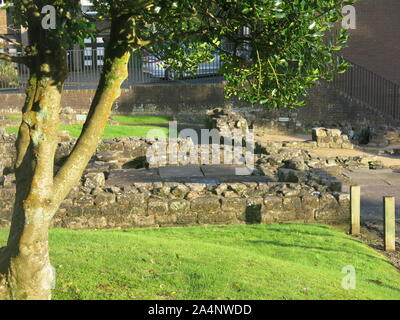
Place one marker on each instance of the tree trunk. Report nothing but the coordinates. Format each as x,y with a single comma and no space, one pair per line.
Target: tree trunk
25,269
24,264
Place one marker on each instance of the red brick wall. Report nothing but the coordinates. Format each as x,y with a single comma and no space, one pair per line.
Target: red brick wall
375,44
190,102
3,21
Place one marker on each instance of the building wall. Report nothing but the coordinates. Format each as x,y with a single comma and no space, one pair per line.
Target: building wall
3,21
190,102
375,43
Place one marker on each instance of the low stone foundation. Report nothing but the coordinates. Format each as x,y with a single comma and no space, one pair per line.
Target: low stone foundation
166,204
119,190
331,138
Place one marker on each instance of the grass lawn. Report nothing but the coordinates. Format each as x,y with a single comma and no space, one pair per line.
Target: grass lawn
279,261
110,131
14,117
140,120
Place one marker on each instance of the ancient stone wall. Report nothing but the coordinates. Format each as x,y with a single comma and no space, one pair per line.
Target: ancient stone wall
114,193
162,204
331,138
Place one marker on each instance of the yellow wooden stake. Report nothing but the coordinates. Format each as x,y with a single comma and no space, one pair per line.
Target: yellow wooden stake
355,200
389,221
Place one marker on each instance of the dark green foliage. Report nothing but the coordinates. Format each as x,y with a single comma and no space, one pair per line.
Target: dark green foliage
289,46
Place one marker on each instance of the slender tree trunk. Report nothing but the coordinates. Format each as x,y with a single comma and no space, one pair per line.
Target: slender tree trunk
25,269
24,264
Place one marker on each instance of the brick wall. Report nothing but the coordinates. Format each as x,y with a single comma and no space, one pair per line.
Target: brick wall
190,102
375,43
3,21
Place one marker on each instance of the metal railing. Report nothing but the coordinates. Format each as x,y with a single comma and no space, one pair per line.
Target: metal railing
85,67
359,84
369,90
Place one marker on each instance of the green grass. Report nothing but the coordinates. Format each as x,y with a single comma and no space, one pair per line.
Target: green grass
279,261
109,132
140,119
12,130
15,117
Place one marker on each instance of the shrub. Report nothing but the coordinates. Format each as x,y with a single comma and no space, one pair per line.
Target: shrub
9,76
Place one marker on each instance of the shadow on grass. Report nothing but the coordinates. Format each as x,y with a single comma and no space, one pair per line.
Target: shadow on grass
380,284
311,233
278,244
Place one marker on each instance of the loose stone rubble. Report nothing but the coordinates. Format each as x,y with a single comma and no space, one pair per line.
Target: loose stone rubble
383,137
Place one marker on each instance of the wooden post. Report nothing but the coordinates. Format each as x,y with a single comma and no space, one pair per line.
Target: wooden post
355,200
389,222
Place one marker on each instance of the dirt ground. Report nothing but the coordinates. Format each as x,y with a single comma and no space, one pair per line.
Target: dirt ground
284,137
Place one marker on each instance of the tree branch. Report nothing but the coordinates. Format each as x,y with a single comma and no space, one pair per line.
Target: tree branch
114,73
14,42
16,59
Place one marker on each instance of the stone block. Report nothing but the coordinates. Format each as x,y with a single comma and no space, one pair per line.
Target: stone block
179,206
157,207
94,180
328,208
187,219
318,133
219,218
237,205
104,199
166,220
205,205
144,221
309,205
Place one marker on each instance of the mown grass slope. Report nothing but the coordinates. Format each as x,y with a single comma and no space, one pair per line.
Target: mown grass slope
278,261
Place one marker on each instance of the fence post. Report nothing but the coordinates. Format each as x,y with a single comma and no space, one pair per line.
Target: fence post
355,200
389,222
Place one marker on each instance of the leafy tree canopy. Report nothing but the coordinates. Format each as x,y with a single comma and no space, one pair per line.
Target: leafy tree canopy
286,48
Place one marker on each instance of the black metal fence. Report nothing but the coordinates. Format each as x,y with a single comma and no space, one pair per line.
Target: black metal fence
370,90
85,67
359,84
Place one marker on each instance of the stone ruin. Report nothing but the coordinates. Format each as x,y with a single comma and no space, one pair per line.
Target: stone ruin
331,138
226,122
121,189
124,187
380,137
